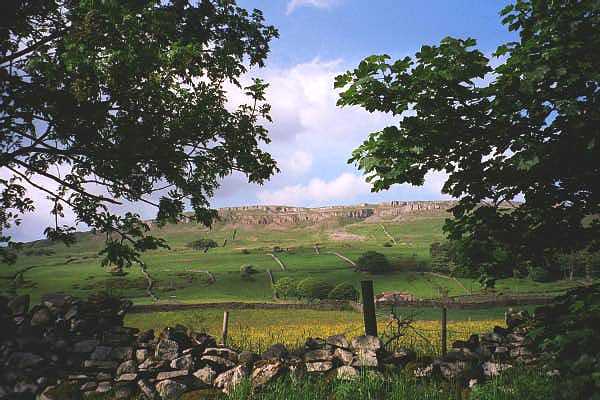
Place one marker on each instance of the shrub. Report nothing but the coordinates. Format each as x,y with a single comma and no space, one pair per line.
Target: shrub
539,274
311,288
246,271
387,244
565,333
285,288
374,262
343,291
202,244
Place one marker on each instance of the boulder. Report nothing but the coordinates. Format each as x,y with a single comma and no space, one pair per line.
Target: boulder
205,376
319,366
218,363
172,374
41,317
148,390
344,356
277,351
127,367
492,369
131,377
266,373
338,341
167,350
123,391
142,355
19,305
318,355
183,362
228,380
365,359
367,343
88,386
248,358
170,390
202,340
104,387
222,352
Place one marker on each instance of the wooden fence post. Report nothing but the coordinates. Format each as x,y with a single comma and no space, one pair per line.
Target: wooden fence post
225,327
444,330
369,308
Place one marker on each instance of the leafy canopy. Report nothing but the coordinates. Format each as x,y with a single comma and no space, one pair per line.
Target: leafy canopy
523,124
105,102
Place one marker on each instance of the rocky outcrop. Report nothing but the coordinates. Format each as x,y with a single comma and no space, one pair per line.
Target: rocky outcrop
284,215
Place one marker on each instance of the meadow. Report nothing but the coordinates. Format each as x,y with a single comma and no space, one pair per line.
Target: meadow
179,274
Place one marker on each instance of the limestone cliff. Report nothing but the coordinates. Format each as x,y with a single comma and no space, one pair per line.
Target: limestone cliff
287,215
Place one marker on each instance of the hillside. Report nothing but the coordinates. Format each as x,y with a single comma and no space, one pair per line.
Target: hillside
403,231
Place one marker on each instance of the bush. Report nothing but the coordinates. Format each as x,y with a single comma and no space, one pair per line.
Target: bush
565,334
374,262
387,244
343,291
285,288
246,271
539,274
202,244
311,288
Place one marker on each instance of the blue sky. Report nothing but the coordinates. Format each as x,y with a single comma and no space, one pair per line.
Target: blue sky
311,137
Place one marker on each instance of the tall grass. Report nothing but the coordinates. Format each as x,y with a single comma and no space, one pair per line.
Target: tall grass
366,386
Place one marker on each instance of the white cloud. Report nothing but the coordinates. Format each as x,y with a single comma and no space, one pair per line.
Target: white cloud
293,4
317,192
297,163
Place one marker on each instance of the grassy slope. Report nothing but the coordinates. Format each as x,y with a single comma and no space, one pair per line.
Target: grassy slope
176,280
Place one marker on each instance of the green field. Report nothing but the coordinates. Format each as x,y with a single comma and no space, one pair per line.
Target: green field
177,271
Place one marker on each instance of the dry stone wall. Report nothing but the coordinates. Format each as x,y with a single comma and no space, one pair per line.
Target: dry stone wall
83,345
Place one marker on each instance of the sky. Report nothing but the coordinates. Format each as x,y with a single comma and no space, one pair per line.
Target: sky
312,139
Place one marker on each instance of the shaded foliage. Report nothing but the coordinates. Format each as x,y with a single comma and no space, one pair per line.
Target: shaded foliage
566,333
105,102
373,262
525,126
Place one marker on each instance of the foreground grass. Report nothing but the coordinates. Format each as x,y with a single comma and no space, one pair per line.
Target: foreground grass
517,384
258,329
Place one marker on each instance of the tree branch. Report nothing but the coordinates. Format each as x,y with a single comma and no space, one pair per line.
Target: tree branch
66,184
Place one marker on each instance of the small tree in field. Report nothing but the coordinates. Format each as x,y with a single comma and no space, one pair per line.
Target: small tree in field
374,262
311,288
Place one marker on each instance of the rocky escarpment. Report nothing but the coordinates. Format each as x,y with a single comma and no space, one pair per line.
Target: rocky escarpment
285,215
83,346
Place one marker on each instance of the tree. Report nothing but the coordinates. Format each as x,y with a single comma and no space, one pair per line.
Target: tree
343,291
311,288
373,262
521,125
111,101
